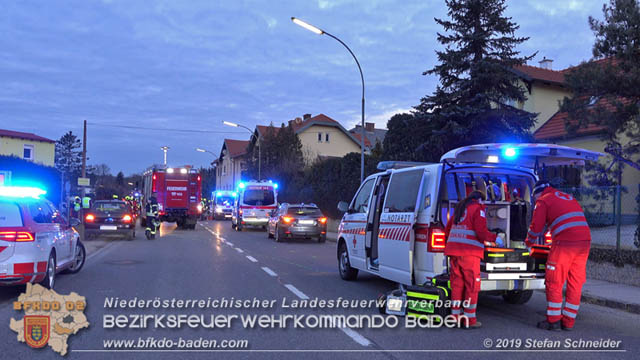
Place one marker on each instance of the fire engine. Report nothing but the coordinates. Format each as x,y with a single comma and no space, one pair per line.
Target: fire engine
178,191
394,226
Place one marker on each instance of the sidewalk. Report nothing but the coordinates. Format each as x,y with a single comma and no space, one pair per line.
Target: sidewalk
598,292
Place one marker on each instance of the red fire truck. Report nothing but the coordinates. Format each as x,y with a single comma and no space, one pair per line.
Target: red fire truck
178,191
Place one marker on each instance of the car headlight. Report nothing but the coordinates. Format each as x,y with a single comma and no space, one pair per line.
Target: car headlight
218,209
199,206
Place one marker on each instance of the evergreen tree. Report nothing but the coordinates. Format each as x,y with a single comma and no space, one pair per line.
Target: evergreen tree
605,90
470,105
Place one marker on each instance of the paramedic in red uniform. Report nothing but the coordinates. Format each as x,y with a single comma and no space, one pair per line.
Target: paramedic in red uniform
467,235
562,215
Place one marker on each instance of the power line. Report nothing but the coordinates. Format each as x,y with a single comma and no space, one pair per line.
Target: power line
166,129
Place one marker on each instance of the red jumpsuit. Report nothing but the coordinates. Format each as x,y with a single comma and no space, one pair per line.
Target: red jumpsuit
465,248
567,261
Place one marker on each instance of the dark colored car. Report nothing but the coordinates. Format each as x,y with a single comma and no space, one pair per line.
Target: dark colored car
297,221
110,217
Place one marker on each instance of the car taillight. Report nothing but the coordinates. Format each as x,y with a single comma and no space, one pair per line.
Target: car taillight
126,218
240,211
89,218
436,240
287,219
547,238
16,236
322,220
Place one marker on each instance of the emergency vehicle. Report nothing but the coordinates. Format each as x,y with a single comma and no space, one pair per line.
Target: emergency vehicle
394,226
254,204
223,204
178,191
36,240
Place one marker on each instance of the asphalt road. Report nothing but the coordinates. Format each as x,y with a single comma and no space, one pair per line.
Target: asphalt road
216,262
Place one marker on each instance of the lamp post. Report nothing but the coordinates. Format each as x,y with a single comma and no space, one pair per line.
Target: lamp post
228,123
322,32
207,151
164,149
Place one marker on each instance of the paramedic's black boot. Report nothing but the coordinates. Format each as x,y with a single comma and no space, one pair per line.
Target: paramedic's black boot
549,326
566,328
477,325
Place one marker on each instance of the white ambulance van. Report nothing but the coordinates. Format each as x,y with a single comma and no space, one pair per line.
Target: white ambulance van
394,226
254,204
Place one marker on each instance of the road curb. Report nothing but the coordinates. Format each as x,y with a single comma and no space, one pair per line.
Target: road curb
614,304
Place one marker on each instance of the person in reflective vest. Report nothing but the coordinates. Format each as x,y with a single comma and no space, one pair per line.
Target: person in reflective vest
561,214
467,235
152,214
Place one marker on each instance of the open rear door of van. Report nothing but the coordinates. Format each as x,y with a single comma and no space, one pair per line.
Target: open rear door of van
396,236
533,156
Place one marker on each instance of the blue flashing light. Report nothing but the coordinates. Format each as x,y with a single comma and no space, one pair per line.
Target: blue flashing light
22,191
275,185
136,194
241,185
235,194
510,152
218,193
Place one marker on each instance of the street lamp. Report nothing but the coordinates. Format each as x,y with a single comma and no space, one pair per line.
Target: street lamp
164,149
322,32
228,123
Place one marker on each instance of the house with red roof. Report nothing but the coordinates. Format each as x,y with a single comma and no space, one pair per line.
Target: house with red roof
27,146
230,164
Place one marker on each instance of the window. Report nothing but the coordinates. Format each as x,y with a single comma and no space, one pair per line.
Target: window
326,137
258,197
297,210
10,215
403,190
319,137
361,200
27,152
40,212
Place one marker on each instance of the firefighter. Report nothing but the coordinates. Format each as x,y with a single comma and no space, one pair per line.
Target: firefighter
571,240
152,214
467,235
77,205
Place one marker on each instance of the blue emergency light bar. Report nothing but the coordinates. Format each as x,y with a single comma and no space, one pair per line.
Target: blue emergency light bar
22,191
241,185
510,152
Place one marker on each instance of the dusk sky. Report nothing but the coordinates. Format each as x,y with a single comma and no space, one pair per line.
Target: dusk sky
192,64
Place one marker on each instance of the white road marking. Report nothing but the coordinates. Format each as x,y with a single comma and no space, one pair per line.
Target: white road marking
355,336
229,243
269,271
297,292
251,258
239,250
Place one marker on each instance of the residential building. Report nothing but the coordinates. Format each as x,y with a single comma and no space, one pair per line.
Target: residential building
321,137
544,88
230,164
372,134
27,146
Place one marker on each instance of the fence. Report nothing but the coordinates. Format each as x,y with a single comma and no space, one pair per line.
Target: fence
612,213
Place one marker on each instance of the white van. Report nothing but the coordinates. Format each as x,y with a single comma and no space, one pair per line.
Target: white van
394,226
254,204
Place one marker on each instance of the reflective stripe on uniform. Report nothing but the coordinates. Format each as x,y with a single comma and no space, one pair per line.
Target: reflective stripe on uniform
569,314
471,307
554,312
534,234
554,305
567,226
470,315
456,311
462,232
572,307
466,241
566,216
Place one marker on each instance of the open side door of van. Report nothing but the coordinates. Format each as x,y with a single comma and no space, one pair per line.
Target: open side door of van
396,236
534,156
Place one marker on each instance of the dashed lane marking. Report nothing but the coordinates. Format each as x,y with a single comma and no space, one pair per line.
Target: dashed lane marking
239,250
251,258
297,292
269,271
355,336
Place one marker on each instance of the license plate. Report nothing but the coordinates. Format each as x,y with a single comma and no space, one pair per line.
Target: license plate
108,227
306,222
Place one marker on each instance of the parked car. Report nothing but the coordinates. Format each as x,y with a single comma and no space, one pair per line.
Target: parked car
110,217
297,221
36,241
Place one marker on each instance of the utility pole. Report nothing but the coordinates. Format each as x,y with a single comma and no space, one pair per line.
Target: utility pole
84,150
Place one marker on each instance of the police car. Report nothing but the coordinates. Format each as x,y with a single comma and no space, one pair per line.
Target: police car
36,241
394,225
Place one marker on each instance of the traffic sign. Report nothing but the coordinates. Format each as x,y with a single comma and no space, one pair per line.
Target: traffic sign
83,181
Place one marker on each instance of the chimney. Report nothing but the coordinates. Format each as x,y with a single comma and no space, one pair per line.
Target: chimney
545,63
369,126
306,116
298,120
